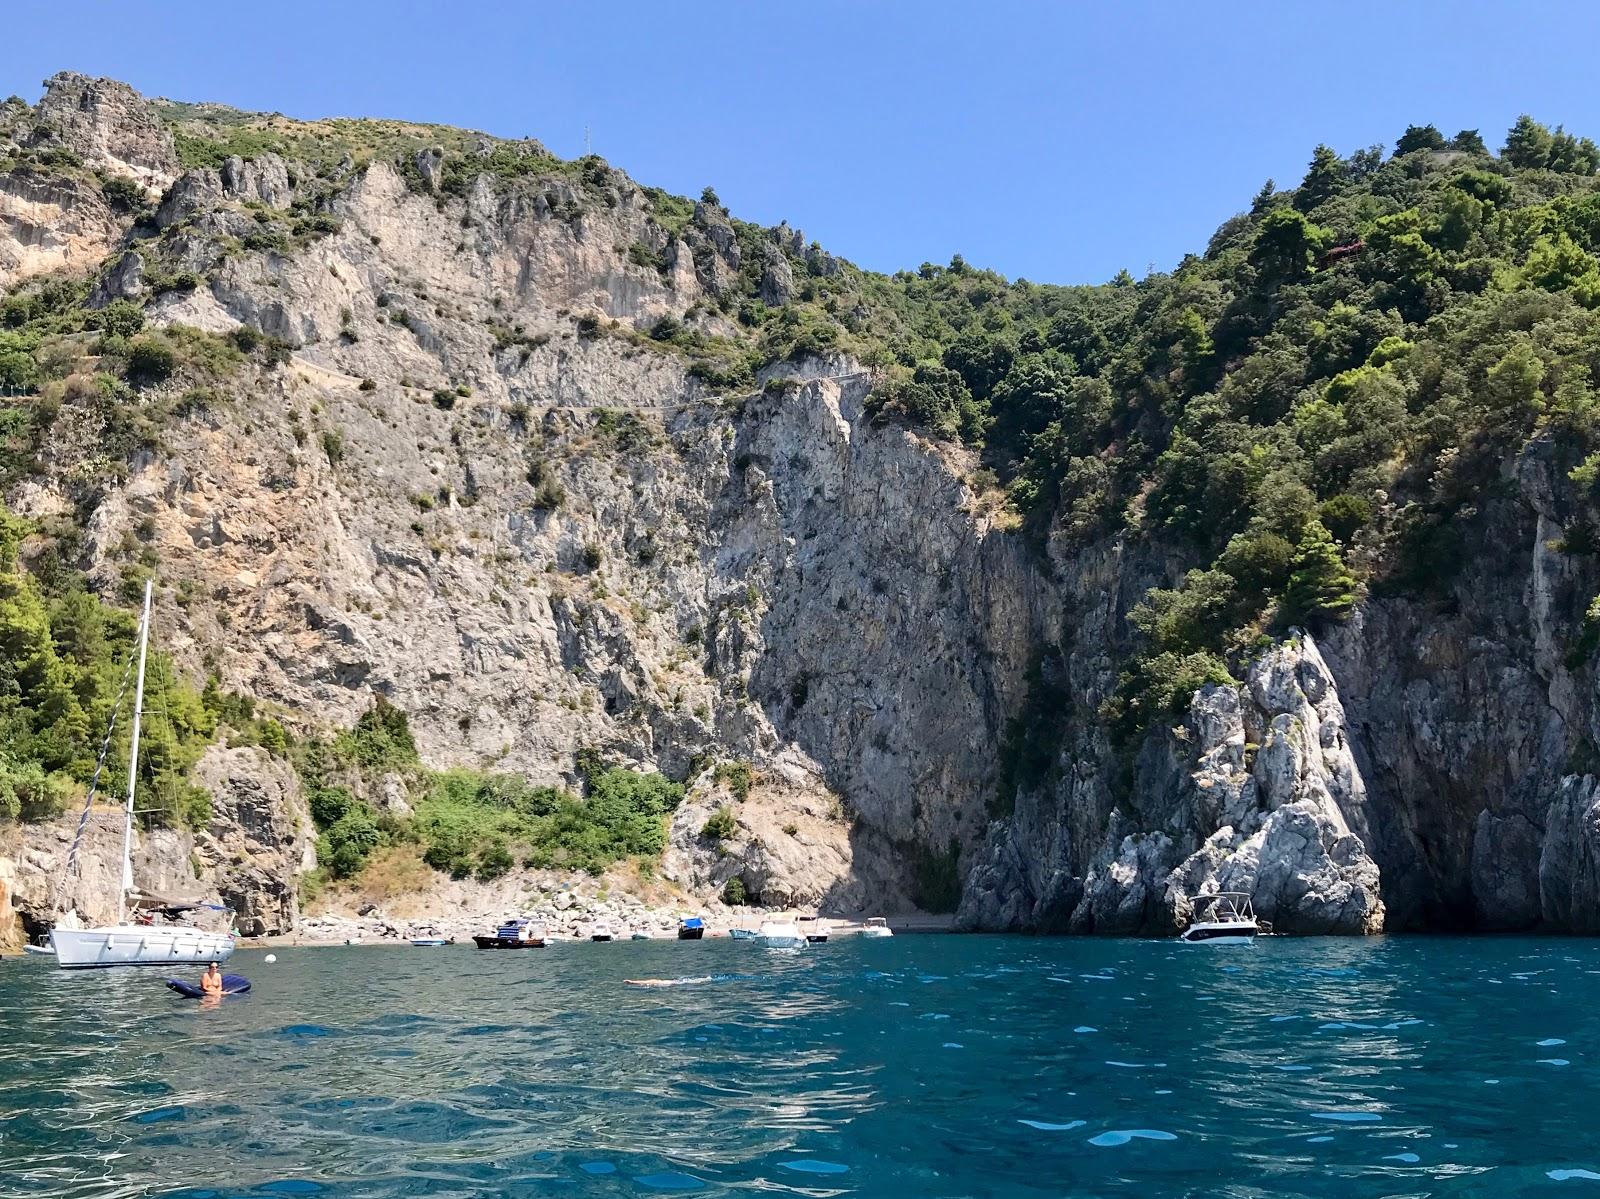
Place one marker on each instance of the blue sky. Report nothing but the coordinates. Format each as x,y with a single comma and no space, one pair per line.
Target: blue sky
1060,142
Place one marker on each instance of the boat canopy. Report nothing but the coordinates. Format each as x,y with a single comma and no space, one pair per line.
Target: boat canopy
142,901
691,922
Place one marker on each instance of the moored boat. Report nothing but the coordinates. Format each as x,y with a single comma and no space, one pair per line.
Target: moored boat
691,928
600,932
877,926
1225,918
136,939
815,929
639,935
513,934
780,934
742,934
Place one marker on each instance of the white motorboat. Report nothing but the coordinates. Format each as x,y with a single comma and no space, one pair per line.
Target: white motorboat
136,940
814,928
1225,918
600,932
877,927
780,934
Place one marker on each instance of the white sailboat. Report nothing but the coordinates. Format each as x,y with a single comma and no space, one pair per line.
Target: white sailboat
128,943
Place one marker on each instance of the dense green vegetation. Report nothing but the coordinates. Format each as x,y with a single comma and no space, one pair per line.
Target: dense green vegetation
1315,405
472,823
64,659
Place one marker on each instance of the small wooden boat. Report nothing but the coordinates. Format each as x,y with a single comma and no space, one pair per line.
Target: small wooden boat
742,934
639,935
513,934
691,928
877,927
431,942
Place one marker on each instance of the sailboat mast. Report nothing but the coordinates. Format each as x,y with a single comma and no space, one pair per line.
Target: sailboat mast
133,758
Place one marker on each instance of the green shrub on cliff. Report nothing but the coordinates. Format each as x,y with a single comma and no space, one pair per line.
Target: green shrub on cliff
472,823
720,826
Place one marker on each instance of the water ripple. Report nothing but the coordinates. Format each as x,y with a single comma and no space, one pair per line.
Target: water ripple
375,1073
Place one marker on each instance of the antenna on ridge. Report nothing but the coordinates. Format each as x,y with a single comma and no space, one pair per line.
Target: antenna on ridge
587,148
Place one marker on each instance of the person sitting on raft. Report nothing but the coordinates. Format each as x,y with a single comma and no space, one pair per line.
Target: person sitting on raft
211,981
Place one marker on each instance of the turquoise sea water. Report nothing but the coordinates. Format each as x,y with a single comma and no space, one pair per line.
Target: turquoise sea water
919,1066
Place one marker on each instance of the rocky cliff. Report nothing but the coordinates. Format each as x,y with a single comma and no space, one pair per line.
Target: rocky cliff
479,474
1423,765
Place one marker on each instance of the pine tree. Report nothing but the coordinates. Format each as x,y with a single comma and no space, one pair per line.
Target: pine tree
1528,144
1264,198
1419,137
1324,179
1320,585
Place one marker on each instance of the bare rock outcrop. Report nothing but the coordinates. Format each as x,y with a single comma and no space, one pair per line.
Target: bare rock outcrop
1257,791
259,839
109,125
52,223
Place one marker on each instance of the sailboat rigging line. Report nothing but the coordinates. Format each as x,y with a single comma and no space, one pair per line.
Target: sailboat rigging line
94,782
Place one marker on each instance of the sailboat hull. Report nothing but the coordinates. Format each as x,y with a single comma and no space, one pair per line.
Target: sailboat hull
137,945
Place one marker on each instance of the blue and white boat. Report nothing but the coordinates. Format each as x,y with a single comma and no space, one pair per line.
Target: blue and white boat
742,934
691,928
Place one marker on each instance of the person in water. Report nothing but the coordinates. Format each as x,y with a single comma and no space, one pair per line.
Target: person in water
211,981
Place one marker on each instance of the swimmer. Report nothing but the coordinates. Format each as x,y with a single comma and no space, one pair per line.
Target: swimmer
211,981
666,982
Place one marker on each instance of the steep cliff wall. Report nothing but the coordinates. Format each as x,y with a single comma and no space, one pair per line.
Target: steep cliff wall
484,471
1425,764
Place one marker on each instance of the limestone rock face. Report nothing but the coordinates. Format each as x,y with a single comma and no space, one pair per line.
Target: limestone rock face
264,179
1257,791
777,280
109,125
123,281
259,839
50,224
40,886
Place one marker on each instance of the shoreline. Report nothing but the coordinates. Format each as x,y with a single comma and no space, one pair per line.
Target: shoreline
326,931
